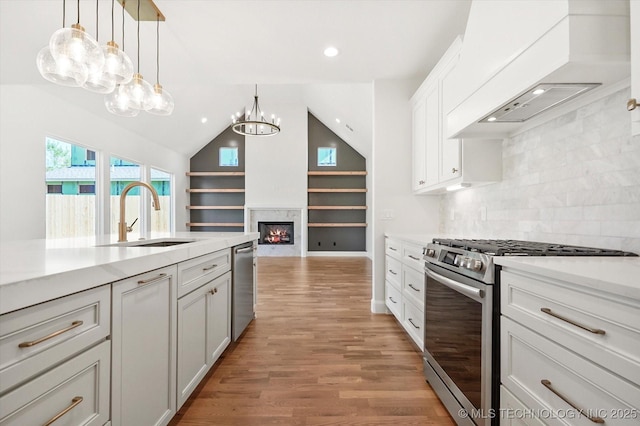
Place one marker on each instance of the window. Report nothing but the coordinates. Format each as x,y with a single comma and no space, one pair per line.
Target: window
91,155
67,176
327,157
54,189
228,157
161,219
122,173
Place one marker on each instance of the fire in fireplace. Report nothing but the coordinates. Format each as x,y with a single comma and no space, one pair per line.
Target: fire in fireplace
275,232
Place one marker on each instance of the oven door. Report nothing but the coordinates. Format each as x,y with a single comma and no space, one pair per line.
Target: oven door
458,341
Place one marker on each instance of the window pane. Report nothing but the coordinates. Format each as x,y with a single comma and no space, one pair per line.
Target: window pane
228,157
327,157
161,219
68,175
122,173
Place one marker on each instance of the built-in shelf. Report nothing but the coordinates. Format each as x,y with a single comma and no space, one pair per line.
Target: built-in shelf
337,207
215,207
321,173
216,190
215,173
337,190
337,225
230,224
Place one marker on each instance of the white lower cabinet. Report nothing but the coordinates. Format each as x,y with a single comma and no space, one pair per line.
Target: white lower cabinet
513,412
204,332
144,349
74,393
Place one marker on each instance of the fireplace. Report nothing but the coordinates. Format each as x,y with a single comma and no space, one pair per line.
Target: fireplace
272,233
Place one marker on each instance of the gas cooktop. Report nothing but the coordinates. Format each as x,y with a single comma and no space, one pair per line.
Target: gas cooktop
525,248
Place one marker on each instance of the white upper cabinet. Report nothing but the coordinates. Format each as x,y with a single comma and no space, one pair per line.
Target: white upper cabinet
512,46
635,66
440,162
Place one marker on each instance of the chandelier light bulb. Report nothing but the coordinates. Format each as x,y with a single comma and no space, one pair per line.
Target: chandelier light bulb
75,44
161,101
139,92
63,71
117,63
117,102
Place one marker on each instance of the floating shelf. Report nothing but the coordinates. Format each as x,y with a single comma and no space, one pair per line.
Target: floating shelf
337,225
216,190
230,224
337,190
320,173
215,207
337,207
215,173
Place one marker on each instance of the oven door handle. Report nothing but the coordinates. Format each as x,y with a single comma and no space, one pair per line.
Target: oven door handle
454,285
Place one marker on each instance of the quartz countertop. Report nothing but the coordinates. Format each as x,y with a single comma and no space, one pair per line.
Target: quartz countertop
420,239
617,275
34,271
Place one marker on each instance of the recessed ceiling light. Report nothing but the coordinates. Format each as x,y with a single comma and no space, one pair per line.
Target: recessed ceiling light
203,120
491,119
330,52
338,120
538,91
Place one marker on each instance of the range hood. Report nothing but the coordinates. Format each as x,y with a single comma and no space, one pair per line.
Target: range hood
521,59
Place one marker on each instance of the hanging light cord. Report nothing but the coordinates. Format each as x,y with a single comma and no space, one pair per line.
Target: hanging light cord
64,13
112,3
138,36
158,48
123,3
78,13
97,8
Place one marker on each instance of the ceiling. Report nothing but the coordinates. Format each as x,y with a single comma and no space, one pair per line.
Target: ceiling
212,52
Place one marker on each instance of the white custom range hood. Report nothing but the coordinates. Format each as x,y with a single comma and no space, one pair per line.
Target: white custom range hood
521,58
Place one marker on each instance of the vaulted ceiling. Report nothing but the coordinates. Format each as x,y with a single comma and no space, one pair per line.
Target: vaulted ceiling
212,52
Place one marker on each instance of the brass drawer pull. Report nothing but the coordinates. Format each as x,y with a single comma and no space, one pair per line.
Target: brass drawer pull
51,336
392,271
409,319
584,327
413,288
594,419
393,248
632,104
209,268
213,291
74,403
413,257
391,298
150,280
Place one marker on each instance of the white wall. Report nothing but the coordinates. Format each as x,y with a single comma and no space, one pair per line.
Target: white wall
572,180
391,169
28,114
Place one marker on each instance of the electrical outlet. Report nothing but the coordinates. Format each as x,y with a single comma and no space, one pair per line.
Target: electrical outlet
388,214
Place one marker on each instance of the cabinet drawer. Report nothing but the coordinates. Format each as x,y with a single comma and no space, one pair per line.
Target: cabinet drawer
413,322
393,300
545,376
412,256
393,248
80,385
38,337
413,286
618,349
195,272
513,412
393,269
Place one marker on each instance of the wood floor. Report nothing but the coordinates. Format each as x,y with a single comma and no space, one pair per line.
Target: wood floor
316,355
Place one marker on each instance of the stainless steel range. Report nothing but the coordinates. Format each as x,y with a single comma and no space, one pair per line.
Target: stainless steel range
462,310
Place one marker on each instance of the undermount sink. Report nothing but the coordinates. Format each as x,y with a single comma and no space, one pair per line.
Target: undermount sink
161,242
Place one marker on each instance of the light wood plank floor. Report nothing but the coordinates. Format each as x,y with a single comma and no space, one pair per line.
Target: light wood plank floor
316,355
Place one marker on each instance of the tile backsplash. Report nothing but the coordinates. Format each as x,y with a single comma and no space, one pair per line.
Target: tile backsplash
572,180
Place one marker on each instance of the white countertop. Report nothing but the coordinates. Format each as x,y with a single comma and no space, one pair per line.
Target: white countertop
618,275
34,271
420,239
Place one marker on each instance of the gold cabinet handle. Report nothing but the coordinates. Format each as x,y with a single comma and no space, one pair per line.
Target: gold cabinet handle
393,272
409,319
594,419
209,268
413,257
454,170
51,336
413,288
74,403
392,301
572,322
151,280
632,104
393,248
213,291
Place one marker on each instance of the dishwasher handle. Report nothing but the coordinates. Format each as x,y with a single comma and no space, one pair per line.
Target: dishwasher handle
244,250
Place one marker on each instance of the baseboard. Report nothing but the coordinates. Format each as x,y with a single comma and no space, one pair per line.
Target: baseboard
337,254
378,307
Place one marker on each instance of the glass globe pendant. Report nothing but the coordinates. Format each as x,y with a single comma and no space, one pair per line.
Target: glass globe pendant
64,71
117,64
75,44
139,92
161,101
117,102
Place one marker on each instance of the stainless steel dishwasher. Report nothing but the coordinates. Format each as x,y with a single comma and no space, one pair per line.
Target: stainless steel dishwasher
242,296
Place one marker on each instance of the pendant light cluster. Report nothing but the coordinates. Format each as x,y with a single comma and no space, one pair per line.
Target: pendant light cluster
253,123
75,59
